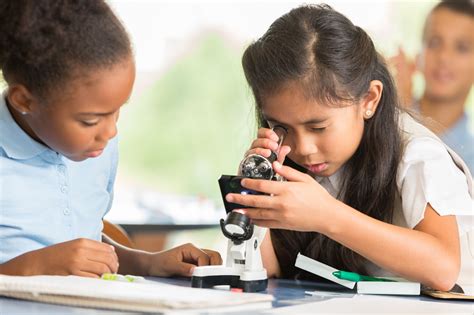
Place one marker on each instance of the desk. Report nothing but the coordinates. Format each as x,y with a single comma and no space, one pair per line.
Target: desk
286,293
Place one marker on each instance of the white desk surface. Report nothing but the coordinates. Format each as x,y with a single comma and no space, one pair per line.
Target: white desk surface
289,298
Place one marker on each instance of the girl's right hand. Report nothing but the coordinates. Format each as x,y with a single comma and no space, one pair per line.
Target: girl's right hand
266,142
80,257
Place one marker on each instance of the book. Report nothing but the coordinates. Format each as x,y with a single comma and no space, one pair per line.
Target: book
450,295
398,286
142,296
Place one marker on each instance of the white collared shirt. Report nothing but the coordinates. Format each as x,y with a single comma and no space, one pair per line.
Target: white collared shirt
429,172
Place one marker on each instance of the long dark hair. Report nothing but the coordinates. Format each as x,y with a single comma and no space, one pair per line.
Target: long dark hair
334,61
44,44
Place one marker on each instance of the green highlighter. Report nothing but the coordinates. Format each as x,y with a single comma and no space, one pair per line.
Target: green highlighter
352,276
126,278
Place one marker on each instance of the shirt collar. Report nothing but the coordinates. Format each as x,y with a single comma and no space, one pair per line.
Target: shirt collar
334,180
459,132
461,127
16,143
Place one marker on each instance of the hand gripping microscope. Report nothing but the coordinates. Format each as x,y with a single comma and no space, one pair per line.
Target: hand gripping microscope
243,268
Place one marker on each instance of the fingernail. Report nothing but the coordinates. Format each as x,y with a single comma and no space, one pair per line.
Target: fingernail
274,137
113,248
276,165
229,198
191,271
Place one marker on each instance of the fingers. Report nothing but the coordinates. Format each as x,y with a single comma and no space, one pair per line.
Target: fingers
262,146
267,133
290,174
262,185
255,201
260,214
215,257
103,253
92,257
93,267
94,245
284,150
106,258
266,142
86,274
194,255
182,269
260,151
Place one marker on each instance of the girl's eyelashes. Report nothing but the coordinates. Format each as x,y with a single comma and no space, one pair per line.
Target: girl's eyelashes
89,123
272,125
321,129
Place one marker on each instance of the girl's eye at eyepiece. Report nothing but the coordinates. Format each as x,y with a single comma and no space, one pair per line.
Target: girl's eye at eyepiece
89,124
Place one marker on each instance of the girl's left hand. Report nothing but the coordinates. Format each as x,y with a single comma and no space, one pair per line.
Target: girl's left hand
300,204
181,260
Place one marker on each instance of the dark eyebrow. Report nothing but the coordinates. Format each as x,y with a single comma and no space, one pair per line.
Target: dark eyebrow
101,114
307,122
314,121
95,114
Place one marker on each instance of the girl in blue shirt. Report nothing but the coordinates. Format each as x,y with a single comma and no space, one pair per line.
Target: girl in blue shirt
370,189
69,68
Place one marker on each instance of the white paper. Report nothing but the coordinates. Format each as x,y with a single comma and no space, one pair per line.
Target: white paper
468,289
321,270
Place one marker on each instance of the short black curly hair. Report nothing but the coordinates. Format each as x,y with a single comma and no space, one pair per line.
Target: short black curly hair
460,6
44,44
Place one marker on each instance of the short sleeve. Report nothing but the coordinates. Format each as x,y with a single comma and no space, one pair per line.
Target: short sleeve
428,174
113,170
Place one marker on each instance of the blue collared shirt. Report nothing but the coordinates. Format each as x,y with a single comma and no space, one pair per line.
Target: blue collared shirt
460,139
46,198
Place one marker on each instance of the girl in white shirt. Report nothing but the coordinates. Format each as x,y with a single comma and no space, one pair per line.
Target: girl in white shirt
388,196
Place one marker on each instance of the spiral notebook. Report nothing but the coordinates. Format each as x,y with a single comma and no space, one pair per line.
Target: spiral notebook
148,296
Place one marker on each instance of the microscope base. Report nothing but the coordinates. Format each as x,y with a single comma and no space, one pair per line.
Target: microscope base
253,285
210,276
211,281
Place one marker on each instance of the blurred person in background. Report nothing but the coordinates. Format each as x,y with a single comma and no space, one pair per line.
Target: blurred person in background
447,65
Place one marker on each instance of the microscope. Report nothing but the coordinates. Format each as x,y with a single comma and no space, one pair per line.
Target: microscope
243,268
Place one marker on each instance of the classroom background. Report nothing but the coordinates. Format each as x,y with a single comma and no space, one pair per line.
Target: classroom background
190,118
